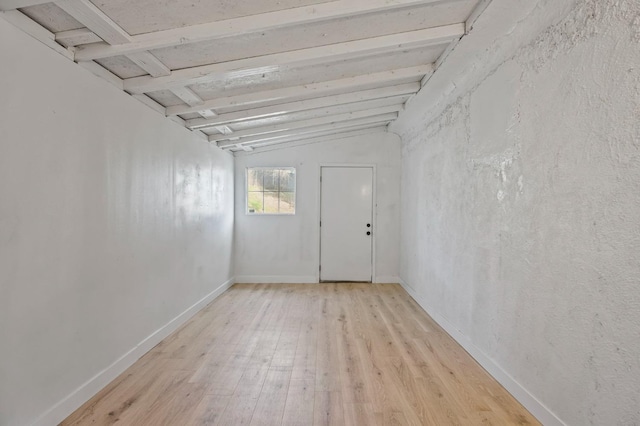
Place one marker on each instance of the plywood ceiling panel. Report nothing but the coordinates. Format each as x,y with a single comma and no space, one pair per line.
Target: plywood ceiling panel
122,66
51,17
145,16
166,98
190,116
315,34
210,132
313,113
330,71
242,69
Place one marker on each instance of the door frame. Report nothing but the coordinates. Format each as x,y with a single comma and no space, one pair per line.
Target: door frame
374,212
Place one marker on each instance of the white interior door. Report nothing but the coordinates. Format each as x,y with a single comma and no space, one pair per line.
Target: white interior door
346,224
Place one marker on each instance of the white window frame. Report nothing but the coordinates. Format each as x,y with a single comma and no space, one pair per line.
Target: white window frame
246,190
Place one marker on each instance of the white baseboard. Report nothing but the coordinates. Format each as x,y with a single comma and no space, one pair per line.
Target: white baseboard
519,392
68,405
386,280
276,279
299,279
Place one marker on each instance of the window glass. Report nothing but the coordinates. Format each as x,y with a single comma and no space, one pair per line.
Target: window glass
255,202
271,190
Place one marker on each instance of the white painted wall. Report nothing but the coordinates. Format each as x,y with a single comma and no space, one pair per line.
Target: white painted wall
521,204
286,248
113,221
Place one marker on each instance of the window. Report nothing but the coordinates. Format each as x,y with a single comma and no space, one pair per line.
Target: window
271,190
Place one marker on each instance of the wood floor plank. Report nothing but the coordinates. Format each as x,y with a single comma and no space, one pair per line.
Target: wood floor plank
324,354
298,409
358,413
304,362
208,411
327,359
327,409
271,404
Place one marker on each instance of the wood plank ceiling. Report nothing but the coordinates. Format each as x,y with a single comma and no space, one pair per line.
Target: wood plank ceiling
256,73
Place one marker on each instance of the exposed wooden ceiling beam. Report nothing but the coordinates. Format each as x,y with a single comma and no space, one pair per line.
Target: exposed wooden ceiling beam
298,58
310,104
17,4
334,134
224,130
100,24
35,30
104,74
93,18
191,98
397,101
206,113
477,11
150,64
248,25
296,93
312,131
244,148
301,124
187,96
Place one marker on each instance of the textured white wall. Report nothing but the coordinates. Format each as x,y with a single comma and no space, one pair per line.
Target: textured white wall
113,221
521,201
286,248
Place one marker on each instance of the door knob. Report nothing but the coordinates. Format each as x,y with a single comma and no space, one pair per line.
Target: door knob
368,232
368,225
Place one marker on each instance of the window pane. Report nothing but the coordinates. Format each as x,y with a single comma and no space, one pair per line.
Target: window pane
287,180
271,179
287,202
254,203
271,202
254,180
271,190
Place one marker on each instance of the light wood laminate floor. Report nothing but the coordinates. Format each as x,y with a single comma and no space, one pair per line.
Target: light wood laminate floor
306,354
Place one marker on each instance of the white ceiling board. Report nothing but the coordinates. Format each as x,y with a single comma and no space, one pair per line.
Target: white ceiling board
191,116
379,47
191,98
319,137
38,32
235,68
75,37
103,26
298,133
166,98
294,93
149,63
206,113
396,102
314,74
52,17
94,19
309,122
17,4
122,66
187,95
244,25
315,34
210,131
101,72
305,105
145,16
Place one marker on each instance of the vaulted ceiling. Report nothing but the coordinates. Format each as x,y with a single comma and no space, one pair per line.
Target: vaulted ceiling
255,73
